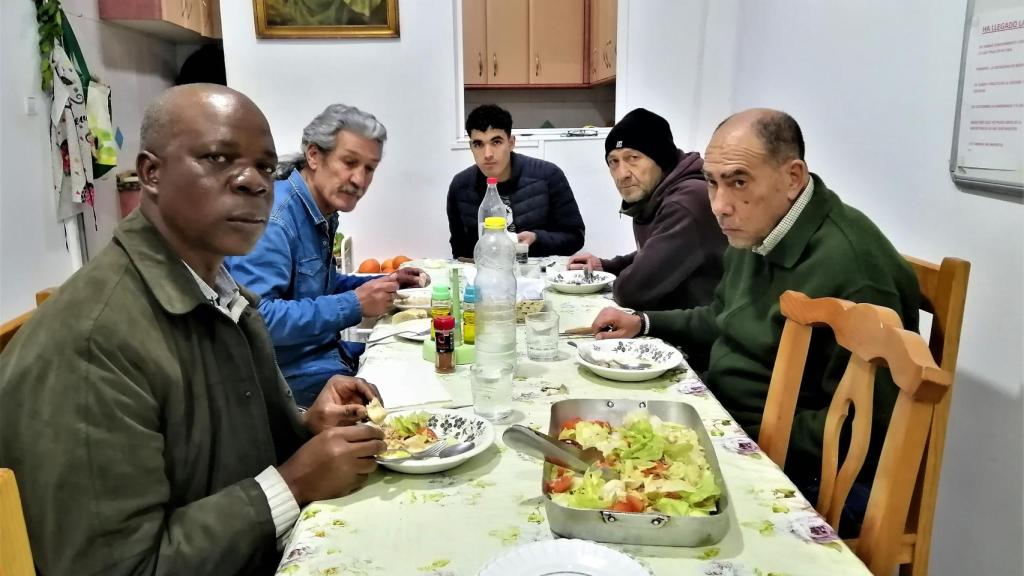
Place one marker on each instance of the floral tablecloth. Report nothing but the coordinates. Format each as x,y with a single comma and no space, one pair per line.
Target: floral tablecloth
452,523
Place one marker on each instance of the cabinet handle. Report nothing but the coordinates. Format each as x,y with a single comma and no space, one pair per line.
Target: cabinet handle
536,71
607,63
593,62
480,64
495,55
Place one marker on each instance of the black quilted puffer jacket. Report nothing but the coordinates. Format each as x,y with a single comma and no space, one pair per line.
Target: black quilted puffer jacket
541,199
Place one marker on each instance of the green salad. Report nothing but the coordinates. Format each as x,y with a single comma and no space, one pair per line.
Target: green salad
659,467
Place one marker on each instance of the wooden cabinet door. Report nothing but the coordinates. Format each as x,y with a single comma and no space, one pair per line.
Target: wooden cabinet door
556,41
173,11
603,23
474,42
210,15
610,26
194,14
507,46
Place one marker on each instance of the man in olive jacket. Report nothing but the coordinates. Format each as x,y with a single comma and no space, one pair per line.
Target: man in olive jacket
141,410
786,231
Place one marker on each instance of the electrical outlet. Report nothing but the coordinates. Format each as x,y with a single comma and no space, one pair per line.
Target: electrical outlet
31,106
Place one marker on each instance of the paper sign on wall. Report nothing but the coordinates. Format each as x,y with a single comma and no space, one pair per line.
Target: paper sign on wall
992,112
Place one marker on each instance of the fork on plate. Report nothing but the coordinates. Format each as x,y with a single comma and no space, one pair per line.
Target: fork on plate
430,452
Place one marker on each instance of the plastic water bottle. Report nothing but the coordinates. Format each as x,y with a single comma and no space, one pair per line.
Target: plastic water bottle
495,256
490,206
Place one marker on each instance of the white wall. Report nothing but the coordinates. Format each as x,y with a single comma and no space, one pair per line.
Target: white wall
410,84
873,85
32,244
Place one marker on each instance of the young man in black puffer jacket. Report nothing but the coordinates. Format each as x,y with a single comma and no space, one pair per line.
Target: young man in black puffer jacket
542,210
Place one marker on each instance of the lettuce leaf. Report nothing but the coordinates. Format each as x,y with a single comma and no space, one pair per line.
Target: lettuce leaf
410,424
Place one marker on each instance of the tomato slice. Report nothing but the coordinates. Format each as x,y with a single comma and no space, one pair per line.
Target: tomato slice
427,432
630,504
621,506
658,468
571,424
561,484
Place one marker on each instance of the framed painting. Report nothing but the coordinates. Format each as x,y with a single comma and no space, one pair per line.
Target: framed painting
326,18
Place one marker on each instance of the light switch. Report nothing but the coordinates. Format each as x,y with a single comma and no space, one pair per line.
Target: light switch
31,106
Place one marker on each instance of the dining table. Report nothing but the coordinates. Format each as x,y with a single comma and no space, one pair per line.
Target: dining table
454,522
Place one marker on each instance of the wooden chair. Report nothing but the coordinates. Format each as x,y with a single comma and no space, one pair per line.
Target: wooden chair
943,294
874,337
10,328
15,553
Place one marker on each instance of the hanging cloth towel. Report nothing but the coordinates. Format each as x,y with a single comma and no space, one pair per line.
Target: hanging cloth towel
69,138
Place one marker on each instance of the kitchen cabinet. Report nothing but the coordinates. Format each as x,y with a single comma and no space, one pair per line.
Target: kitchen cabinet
507,45
538,43
175,20
556,41
603,45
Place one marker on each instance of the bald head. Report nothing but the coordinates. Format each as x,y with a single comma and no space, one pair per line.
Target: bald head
188,102
205,167
777,131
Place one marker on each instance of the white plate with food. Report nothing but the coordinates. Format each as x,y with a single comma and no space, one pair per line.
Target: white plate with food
413,299
410,431
628,359
563,558
574,282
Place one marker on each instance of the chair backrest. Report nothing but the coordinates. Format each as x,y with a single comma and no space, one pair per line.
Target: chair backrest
874,337
943,295
15,554
10,328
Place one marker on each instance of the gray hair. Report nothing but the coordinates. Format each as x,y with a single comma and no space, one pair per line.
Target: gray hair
323,130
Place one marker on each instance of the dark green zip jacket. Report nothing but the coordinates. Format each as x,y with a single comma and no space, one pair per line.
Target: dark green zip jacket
831,250
135,416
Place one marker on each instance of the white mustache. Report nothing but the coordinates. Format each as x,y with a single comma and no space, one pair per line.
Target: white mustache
352,191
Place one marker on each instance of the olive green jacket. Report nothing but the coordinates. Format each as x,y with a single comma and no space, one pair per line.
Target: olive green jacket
135,416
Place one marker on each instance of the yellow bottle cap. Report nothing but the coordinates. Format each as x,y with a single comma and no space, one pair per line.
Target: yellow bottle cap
494,223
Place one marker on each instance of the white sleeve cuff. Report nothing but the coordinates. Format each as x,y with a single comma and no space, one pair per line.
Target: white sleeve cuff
283,507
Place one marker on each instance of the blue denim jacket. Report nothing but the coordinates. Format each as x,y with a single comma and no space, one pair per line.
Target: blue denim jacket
305,302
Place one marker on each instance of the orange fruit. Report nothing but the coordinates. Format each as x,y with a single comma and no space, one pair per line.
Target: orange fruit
388,270
370,265
389,263
399,260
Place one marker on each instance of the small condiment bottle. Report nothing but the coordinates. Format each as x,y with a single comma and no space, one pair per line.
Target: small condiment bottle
469,315
444,340
440,304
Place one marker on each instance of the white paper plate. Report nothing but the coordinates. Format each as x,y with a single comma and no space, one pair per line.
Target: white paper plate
417,330
418,298
457,427
571,282
563,558
661,356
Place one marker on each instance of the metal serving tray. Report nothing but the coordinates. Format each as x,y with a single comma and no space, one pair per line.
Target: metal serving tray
644,528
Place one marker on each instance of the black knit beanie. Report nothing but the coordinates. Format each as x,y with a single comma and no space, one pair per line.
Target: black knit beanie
648,133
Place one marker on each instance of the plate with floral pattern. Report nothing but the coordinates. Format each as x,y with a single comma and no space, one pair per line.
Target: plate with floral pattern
456,427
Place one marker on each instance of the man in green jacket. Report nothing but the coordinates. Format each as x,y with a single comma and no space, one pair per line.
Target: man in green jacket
786,231
141,408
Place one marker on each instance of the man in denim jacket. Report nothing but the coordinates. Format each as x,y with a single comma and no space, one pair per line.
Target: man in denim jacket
305,302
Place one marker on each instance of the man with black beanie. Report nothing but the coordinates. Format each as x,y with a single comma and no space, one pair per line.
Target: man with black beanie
678,260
